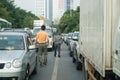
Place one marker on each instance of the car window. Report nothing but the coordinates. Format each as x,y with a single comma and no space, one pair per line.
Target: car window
49,31
36,30
8,42
76,34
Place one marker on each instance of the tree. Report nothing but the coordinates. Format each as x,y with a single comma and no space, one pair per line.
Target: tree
17,16
4,13
70,22
28,21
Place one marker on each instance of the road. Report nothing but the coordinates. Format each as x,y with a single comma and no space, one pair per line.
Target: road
58,68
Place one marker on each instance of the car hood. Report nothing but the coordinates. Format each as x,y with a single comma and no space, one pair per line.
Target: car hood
8,56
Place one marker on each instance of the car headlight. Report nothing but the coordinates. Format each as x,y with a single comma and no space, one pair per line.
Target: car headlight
17,63
8,65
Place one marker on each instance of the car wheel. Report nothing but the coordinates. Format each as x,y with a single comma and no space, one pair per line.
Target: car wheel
71,53
117,78
35,69
74,60
27,74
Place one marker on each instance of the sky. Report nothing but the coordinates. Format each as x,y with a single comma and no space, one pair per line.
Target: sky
28,5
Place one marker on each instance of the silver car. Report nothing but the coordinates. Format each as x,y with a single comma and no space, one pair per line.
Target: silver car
18,58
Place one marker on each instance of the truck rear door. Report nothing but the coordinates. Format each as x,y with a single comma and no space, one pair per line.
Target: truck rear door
116,39
116,54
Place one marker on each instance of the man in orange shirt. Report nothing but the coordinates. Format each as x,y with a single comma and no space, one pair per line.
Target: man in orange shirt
42,40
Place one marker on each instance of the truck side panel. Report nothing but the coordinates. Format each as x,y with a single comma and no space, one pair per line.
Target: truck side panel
95,37
116,39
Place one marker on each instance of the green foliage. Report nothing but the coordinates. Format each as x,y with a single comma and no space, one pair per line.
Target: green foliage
4,13
17,16
70,21
28,21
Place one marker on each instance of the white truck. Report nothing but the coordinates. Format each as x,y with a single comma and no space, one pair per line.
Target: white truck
100,39
37,23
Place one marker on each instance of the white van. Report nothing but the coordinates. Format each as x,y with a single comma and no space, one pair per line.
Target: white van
50,34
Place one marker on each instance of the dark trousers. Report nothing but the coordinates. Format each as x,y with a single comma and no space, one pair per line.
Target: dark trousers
57,49
42,53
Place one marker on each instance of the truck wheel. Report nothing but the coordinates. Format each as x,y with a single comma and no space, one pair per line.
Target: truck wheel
97,75
117,78
85,73
78,65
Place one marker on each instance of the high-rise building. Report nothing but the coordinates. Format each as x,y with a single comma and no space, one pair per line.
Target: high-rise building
39,7
44,8
68,4
72,4
54,9
49,9
58,9
75,4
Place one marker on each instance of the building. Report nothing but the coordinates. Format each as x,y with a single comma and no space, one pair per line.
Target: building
68,4
43,8
72,4
75,4
54,9
58,10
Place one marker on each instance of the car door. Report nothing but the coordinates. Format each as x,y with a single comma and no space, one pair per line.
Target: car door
32,54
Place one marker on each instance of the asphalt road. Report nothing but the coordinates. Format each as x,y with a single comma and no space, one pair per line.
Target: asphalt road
58,68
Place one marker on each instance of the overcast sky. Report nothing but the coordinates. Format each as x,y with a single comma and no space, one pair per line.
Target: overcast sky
28,5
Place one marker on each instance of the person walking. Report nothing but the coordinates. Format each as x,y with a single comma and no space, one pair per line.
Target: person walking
57,44
42,40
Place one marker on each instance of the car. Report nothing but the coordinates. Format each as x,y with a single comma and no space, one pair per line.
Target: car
76,53
18,57
28,31
65,38
69,38
73,41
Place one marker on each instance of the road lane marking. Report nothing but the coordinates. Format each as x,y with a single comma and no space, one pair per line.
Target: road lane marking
54,74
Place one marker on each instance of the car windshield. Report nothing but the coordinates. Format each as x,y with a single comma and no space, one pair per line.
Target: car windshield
76,34
11,42
36,30
49,31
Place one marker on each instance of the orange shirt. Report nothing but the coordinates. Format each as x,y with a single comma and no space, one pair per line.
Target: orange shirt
42,37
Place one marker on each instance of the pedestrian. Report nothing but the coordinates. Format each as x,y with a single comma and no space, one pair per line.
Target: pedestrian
42,40
57,44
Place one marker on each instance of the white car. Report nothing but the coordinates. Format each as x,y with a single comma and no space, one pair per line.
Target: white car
72,42
76,52
18,58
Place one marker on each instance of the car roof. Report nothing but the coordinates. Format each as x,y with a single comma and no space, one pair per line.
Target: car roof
11,33
17,31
